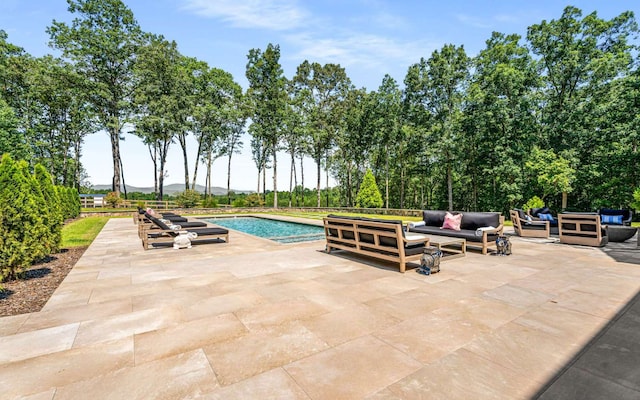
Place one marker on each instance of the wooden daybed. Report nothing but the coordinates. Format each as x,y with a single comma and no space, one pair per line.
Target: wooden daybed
382,239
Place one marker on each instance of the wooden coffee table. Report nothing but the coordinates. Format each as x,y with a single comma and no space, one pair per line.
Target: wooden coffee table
449,246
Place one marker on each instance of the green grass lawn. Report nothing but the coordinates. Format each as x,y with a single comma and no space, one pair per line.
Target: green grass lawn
81,232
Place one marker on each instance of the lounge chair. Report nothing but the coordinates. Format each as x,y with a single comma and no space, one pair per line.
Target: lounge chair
145,222
528,227
164,235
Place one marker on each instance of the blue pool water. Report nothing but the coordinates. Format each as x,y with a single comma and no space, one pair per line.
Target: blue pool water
279,231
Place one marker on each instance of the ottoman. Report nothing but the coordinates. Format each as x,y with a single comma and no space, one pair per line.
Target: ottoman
620,233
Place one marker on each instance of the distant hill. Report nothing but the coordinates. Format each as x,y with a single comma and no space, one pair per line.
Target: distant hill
172,189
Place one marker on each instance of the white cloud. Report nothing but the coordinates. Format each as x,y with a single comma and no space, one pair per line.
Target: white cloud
359,49
264,14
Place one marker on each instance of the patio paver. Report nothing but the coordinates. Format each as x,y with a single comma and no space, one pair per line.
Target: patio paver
257,319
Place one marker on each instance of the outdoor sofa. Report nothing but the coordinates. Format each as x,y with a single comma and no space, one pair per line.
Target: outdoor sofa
479,229
378,238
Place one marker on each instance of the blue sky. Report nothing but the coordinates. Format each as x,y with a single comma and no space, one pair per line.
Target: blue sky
369,38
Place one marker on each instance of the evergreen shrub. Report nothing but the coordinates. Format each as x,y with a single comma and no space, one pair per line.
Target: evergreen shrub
369,195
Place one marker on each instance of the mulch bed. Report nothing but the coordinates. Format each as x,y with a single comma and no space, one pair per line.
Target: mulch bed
42,279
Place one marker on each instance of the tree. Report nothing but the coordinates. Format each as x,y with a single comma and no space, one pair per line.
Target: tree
552,173
22,229
581,60
322,89
11,141
219,117
268,98
160,100
51,209
436,90
369,195
60,119
500,126
103,42
387,122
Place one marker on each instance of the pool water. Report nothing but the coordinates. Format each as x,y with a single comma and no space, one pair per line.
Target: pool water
278,231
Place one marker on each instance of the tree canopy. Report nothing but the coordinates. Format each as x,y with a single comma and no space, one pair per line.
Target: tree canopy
552,114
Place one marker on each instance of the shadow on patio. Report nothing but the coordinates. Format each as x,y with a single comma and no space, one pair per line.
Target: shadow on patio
608,367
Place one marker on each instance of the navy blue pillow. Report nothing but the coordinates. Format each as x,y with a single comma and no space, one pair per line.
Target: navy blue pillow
545,217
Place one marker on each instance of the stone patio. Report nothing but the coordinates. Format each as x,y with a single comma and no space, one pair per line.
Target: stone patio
255,319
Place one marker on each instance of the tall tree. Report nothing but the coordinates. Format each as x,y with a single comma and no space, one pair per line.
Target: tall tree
218,117
440,88
387,120
268,98
159,95
60,119
103,42
500,125
325,88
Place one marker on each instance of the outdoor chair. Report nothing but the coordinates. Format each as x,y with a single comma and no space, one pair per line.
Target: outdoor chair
528,227
535,214
164,235
612,216
582,228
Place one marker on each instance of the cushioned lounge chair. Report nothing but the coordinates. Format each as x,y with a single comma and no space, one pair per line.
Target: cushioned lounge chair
527,227
146,223
164,236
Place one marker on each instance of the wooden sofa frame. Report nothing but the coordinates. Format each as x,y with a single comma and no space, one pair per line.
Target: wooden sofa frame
583,229
522,230
346,234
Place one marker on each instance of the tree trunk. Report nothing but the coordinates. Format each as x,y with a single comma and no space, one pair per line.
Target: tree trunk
302,180
160,191
124,184
195,168
275,178
318,181
183,144
152,155
229,179
349,194
449,186
258,188
386,175
208,185
115,153
402,184
264,184
291,173
78,146
326,172
564,201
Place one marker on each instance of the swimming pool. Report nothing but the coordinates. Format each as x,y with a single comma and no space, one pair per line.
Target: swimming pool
278,231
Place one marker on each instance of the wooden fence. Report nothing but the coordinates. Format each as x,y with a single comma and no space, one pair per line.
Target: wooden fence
98,202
